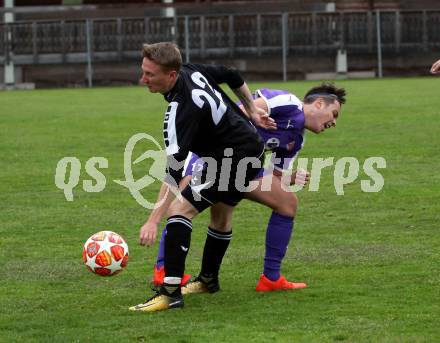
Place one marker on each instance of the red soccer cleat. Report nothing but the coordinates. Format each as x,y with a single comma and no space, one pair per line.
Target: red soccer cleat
266,285
159,274
185,279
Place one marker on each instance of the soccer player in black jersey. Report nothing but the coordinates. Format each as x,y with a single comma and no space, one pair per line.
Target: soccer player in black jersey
200,118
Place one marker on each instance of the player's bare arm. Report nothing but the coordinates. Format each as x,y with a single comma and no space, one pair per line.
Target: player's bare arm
299,177
148,232
258,115
435,69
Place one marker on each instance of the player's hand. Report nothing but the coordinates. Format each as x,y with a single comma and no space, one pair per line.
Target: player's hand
435,69
148,233
262,119
301,177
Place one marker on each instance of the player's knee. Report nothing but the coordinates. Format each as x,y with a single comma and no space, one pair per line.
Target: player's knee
220,221
288,206
220,224
221,217
182,208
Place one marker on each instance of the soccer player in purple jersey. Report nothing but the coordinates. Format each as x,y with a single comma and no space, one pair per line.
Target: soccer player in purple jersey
318,112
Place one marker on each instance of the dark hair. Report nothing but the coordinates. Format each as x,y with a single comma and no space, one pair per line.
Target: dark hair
328,91
165,54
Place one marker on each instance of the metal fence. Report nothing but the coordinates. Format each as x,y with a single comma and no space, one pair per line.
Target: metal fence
219,36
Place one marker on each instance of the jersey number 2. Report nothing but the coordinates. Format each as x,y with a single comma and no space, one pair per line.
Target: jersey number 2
217,109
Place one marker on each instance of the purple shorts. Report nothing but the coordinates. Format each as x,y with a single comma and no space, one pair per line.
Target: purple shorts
193,164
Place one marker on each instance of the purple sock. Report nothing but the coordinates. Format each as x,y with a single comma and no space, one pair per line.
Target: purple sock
279,230
160,261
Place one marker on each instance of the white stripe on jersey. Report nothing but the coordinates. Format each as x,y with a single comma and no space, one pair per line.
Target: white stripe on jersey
171,144
281,100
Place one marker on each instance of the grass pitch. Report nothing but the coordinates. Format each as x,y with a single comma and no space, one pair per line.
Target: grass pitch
371,259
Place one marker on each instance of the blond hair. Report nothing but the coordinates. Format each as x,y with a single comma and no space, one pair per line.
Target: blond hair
165,54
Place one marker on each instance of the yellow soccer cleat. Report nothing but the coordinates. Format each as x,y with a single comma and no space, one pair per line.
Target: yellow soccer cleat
201,285
159,302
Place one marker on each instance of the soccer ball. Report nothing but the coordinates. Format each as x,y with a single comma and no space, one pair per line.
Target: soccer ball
105,253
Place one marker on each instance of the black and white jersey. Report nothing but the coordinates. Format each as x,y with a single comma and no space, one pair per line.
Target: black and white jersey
201,118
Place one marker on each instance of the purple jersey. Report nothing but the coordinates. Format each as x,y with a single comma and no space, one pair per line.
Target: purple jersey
285,142
192,164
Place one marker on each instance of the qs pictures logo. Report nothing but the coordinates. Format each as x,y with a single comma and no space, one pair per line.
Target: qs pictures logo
346,171
68,171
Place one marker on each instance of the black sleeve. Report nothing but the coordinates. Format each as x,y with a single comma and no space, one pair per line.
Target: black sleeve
222,74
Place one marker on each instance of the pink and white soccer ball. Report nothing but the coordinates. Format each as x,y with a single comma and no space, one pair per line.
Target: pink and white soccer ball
105,253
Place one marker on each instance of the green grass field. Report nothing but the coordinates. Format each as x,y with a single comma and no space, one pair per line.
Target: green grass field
371,260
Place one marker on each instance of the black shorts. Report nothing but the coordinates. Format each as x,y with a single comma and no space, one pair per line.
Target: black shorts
222,180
